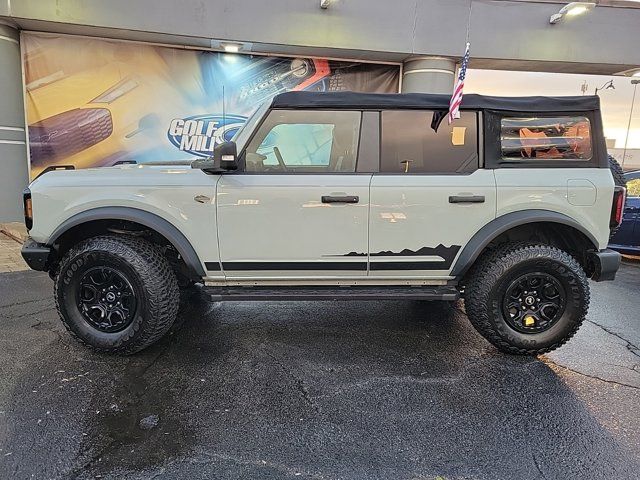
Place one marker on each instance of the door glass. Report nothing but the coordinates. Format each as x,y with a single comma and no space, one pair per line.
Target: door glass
421,141
305,141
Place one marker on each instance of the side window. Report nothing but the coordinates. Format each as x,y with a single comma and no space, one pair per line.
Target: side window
420,141
311,141
558,138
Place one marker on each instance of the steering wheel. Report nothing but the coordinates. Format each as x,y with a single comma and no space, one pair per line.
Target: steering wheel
281,163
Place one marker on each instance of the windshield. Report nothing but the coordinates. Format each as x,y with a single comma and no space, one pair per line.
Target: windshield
243,134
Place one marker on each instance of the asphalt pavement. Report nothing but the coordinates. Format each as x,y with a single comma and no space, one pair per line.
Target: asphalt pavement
321,390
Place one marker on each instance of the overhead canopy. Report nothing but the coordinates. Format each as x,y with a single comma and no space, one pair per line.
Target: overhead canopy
354,100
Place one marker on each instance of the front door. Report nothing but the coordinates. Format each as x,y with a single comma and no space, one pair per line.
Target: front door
430,197
298,209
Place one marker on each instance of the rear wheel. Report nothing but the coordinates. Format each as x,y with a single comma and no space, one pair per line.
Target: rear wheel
116,294
527,299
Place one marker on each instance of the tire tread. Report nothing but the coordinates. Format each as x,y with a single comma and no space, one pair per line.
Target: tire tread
158,280
487,272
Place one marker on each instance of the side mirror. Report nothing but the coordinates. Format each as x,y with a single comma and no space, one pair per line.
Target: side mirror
226,156
224,159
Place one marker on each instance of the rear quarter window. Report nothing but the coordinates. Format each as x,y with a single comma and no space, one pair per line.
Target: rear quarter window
545,138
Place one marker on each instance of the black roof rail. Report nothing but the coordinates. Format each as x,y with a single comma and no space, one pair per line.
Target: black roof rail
51,168
125,162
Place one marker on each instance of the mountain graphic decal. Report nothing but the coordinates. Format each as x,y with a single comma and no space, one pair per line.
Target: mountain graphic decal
447,253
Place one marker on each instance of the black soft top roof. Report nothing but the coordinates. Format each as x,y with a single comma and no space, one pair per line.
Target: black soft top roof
354,100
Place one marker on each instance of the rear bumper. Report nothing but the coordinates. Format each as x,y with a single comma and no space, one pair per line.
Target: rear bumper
605,265
36,255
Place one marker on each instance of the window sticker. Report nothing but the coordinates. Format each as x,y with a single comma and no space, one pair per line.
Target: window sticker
457,136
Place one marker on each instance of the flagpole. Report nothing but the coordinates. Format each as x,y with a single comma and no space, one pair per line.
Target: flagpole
456,96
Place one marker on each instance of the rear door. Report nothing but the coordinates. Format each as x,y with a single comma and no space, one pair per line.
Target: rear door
299,209
430,197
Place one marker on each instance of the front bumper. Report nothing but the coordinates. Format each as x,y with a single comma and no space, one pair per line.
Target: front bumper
605,265
36,255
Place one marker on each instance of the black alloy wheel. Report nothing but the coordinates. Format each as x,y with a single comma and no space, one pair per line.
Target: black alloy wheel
533,302
106,299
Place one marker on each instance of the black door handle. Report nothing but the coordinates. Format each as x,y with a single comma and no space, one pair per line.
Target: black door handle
343,199
466,199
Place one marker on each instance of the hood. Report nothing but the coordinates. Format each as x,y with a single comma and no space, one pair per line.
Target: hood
154,175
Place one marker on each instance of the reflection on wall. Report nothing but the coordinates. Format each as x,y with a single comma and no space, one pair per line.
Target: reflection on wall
95,102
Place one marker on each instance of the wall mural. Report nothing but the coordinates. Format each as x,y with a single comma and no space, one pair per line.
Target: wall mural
95,102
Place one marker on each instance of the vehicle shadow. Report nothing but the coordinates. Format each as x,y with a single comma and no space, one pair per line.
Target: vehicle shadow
391,389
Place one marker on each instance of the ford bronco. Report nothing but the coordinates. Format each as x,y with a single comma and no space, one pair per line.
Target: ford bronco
324,196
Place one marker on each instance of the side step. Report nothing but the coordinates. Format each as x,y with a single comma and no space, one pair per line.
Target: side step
255,294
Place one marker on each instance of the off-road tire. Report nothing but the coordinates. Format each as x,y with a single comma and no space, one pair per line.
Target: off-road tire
619,180
153,281
487,282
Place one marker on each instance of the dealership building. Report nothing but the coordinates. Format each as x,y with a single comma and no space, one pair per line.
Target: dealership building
92,83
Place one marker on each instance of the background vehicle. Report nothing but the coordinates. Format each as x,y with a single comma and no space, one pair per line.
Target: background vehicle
341,196
627,237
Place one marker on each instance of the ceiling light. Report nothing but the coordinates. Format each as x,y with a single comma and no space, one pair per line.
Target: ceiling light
577,10
572,9
231,47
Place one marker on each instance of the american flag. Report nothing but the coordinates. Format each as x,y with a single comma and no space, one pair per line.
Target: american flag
456,98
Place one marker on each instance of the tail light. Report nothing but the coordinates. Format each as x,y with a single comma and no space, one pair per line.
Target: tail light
28,208
617,209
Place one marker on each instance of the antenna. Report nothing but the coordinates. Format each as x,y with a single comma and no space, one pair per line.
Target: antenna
224,115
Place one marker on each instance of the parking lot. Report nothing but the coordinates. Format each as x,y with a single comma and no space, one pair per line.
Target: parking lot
319,390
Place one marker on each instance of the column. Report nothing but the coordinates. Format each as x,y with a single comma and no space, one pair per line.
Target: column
14,170
428,75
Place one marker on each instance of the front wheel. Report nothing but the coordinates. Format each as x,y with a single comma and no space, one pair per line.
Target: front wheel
527,299
116,294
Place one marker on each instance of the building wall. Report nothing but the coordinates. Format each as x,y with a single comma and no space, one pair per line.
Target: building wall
503,33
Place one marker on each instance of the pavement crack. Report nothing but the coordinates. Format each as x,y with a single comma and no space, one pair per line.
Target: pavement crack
594,377
634,349
165,348
26,302
537,464
300,384
304,391
285,469
94,459
37,312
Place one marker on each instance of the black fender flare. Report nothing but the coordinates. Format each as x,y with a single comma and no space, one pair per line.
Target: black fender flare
499,225
143,217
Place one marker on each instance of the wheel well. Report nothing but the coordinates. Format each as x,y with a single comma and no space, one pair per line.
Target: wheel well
564,237
94,228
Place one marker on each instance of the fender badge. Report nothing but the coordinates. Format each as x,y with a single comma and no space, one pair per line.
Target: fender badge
202,199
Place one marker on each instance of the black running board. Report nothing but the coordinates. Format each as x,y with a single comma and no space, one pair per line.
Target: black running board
255,294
